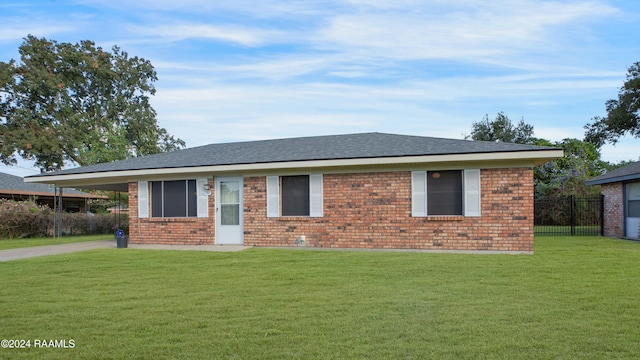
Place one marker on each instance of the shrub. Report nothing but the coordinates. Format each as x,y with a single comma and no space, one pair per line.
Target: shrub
22,219
88,224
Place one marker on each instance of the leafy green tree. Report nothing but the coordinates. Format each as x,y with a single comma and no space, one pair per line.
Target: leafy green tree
623,114
77,103
564,176
567,175
501,129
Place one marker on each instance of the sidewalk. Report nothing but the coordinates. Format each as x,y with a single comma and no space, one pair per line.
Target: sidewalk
30,252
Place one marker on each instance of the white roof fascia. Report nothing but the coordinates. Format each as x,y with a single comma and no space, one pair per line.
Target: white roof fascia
526,158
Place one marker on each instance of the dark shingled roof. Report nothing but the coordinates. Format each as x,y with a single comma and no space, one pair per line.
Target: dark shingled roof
353,146
15,184
628,172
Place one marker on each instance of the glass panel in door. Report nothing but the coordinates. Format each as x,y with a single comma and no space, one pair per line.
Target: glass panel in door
229,203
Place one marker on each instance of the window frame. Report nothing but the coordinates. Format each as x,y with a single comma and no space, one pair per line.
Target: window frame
632,199
167,191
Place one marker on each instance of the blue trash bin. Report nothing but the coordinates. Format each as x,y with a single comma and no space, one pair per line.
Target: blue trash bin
121,240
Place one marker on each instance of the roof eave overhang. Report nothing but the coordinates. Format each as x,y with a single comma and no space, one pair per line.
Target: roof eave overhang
613,180
51,194
94,179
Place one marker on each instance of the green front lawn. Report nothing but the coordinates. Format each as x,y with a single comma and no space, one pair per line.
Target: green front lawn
575,298
23,243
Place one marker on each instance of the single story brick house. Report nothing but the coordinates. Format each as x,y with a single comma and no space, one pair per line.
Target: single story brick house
369,190
621,189
14,188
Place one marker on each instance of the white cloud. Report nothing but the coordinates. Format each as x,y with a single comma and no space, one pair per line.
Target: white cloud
481,30
16,29
468,31
280,68
256,9
626,149
245,36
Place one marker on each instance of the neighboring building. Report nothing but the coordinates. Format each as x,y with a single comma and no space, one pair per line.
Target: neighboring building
13,187
367,190
621,189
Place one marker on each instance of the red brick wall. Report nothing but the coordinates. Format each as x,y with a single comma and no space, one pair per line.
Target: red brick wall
373,210
175,231
366,210
613,209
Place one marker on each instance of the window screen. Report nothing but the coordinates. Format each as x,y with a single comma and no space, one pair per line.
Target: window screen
192,199
295,195
634,208
174,195
156,199
444,192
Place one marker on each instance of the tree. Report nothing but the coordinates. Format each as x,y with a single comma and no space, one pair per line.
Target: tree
502,130
623,114
77,103
567,175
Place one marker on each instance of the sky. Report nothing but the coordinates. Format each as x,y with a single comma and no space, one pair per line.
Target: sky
238,70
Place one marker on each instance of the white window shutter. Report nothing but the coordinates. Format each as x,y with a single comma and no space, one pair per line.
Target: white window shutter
202,198
418,193
472,192
315,194
143,199
273,196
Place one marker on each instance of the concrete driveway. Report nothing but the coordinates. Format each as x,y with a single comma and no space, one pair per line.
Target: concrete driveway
24,253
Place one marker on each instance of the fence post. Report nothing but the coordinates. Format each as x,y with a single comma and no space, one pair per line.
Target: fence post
573,215
601,214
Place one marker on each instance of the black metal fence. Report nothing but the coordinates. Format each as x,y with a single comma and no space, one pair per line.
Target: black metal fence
569,215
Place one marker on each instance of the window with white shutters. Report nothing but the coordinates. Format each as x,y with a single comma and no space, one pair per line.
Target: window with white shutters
297,195
445,193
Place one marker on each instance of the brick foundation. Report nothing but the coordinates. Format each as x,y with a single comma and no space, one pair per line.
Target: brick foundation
366,210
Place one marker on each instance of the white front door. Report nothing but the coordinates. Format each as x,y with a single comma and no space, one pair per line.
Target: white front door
229,212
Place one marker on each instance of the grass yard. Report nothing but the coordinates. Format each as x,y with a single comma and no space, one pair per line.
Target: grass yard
6,244
576,298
